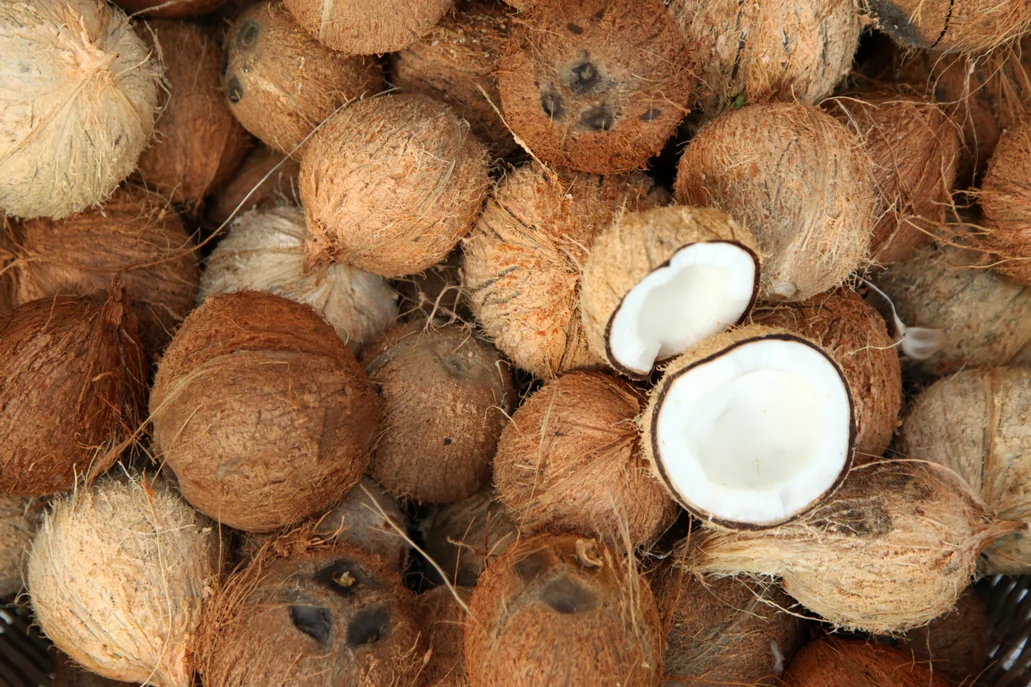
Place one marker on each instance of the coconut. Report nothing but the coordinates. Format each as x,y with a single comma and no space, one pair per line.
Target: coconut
265,179
914,149
19,518
390,185
955,644
524,258
262,412
71,381
855,335
134,237
657,282
812,223
446,397
75,126
463,538
1006,199
950,26
562,609
264,251
444,620
118,575
836,662
359,27
282,83
67,674
173,9
596,86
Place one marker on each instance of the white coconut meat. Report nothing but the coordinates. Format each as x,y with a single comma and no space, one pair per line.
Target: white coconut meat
705,288
754,434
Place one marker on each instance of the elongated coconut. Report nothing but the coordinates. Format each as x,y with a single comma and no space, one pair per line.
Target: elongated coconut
836,662
19,518
524,258
465,537
118,576
262,412
972,26
359,27
281,83
444,620
264,251
581,90
657,282
173,9
799,180
265,179
1006,200
563,609
955,645
390,185
80,96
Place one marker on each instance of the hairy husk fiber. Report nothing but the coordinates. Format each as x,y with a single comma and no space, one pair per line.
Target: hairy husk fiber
465,537
836,662
172,9
359,27
265,179
444,620
19,518
1006,199
971,26
955,644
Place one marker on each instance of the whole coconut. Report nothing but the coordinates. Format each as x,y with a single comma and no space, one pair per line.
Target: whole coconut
974,26
836,662
463,538
562,609
174,9
359,27
19,518
580,92
281,82
264,251
262,412
1006,199
444,620
80,96
118,575
265,179
446,397
390,185
798,179
955,644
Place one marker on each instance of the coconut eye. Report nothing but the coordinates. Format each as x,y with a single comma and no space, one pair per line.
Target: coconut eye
551,103
314,621
369,626
235,90
584,77
533,566
567,597
651,114
598,118
248,34
344,577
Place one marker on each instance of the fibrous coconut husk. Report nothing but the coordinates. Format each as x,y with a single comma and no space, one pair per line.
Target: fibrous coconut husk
523,261
172,9
581,93
955,644
465,537
264,251
67,674
73,130
19,518
265,179
359,27
970,26
71,383
837,662
281,82
390,185
262,412
1006,199
890,551
855,335
118,575
799,180
444,620
446,397
563,609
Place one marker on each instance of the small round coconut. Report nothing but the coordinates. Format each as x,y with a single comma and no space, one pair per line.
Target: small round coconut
320,617
71,383
524,258
749,52
836,662
134,237
118,575
446,397
570,461
264,251
914,148
955,644
854,333
67,674
262,412
172,9
1006,200
443,619
968,26
359,27
390,185
465,537
798,179
19,518
79,104
281,82
265,179
598,85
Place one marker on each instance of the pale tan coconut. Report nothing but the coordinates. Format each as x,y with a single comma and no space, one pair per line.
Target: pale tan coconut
75,128
19,518
444,619
463,538
974,26
360,27
265,179
955,644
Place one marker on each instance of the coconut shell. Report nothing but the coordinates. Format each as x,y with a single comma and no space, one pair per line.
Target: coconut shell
444,621
359,27
813,223
264,251
172,9
578,90
390,185
281,82
563,609
955,644
1006,199
265,179
118,575
19,518
67,674
463,538
71,382
262,412
855,335
446,397
974,26
524,258
73,130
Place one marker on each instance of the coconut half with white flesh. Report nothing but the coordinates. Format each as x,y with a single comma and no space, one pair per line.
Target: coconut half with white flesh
659,281
751,428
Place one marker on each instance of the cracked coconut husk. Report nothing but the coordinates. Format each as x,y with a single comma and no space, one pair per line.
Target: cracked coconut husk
465,537
359,27
836,662
969,26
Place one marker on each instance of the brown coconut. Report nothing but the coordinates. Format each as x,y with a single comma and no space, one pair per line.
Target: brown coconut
265,179
1006,200
446,397
798,179
524,258
955,645
172,9
390,185
118,576
19,518
563,609
74,129
67,674
972,26
580,92
465,537
71,382
837,662
262,412
359,27
570,461
855,335
281,82
444,620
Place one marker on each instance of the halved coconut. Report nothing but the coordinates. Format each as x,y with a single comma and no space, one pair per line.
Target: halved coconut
752,428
